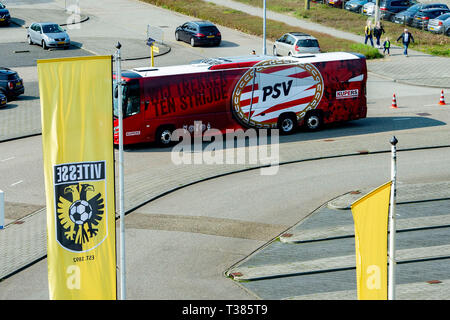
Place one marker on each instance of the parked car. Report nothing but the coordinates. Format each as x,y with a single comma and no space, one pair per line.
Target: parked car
335,3
356,5
293,43
388,8
5,17
422,17
48,35
198,33
446,27
11,85
368,9
3,100
436,25
406,17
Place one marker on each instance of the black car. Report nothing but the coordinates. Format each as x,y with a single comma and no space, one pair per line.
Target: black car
198,33
423,16
11,85
3,100
406,17
5,17
388,8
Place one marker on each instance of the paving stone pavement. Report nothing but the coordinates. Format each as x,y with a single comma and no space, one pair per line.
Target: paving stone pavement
291,270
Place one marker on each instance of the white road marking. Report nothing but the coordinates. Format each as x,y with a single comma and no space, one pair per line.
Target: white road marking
16,183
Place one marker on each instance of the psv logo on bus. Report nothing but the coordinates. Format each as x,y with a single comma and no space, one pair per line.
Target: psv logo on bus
273,87
277,90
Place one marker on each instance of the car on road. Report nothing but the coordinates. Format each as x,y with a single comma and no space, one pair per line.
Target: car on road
436,25
422,17
198,33
356,5
48,35
406,17
11,85
293,43
5,17
388,8
3,100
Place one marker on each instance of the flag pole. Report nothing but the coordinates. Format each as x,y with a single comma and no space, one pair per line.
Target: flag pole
121,189
392,228
264,50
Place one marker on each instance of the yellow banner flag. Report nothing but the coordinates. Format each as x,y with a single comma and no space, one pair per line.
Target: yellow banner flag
370,214
77,142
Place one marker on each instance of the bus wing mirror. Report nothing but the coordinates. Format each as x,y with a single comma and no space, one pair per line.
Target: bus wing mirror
116,92
146,104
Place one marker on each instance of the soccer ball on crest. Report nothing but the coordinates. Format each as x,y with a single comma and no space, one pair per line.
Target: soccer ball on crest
80,211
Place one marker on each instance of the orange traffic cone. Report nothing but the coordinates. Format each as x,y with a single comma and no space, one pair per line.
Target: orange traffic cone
394,102
442,101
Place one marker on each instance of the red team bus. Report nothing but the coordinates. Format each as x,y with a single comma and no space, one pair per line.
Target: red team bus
242,92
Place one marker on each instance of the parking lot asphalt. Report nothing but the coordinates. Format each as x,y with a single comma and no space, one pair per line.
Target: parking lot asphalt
23,241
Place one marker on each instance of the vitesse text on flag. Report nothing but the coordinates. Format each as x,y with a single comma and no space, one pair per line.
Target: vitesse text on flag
77,136
370,215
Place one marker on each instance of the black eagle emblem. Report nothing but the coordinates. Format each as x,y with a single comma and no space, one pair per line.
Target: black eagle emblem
80,210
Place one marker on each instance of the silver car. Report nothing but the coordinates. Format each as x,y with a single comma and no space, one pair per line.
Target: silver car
48,35
293,43
436,25
368,9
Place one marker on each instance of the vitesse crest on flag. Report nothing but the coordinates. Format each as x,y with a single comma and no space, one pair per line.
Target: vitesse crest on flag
80,190
77,142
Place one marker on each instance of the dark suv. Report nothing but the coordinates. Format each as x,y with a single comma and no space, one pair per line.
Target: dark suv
11,85
388,8
406,17
5,17
198,33
423,16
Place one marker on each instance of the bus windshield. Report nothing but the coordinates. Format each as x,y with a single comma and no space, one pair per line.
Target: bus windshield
130,99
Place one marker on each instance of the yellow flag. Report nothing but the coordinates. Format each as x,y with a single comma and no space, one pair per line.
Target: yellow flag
370,214
77,142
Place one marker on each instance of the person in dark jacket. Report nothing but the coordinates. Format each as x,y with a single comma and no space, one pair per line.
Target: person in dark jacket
378,32
406,37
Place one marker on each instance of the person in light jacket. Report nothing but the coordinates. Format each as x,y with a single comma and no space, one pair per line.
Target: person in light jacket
406,37
368,33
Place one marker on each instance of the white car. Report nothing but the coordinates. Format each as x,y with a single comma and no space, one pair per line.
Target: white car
48,35
293,43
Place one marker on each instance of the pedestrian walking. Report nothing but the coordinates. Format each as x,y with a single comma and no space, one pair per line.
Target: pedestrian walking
386,46
368,32
378,32
406,37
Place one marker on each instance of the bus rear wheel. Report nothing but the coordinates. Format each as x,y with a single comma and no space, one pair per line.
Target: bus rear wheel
287,123
164,136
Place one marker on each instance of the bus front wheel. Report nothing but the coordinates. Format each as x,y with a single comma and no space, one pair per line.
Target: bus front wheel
164,136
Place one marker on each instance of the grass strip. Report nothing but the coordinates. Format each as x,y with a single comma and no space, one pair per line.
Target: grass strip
253,25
